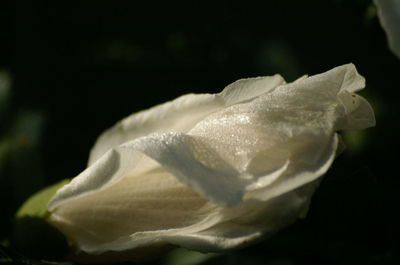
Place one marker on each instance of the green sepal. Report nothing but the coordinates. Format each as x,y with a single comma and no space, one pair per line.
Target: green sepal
36,205
32,235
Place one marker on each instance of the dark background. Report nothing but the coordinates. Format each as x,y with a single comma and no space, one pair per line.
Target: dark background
78,68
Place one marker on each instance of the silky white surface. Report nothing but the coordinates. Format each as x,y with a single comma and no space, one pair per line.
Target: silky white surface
212,172
180,114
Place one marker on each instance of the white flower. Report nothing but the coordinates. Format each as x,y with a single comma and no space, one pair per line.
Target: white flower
389,16
211,172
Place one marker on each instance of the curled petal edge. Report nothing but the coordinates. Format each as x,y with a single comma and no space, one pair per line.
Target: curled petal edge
181,114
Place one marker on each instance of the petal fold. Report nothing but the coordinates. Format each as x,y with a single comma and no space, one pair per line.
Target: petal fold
212,172
181,114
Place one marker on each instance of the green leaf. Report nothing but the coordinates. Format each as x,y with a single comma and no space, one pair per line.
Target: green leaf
36,205
32,236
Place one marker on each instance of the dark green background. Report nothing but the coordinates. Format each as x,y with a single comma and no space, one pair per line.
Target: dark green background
77,68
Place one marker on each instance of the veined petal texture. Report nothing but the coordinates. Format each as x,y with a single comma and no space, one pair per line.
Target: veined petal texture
212,172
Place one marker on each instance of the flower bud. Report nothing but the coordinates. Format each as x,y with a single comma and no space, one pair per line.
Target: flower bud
211,172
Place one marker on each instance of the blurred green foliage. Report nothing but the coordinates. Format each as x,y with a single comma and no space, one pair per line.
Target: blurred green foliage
75,69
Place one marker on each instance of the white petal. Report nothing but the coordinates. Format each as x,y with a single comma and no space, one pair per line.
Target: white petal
181,114
359,113
178,115
389,16
126,214
299,174
246,165
249,88
107,170
253,220
153,193
186,158
294,122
